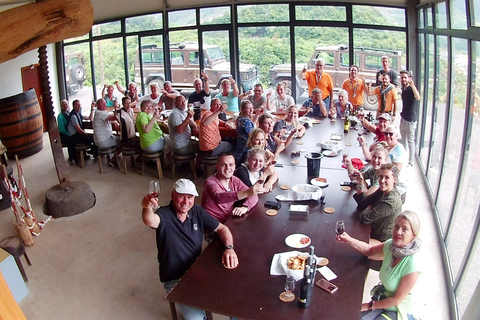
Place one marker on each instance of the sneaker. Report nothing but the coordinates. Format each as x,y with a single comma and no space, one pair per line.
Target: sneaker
73,162
410,165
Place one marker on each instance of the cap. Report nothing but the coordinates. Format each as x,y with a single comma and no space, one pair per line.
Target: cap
185,186
385,116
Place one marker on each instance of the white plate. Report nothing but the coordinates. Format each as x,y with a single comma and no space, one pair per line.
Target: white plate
319,183
329,153
293,241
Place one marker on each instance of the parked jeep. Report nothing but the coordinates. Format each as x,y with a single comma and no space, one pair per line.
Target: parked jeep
185,66
337,65
75,74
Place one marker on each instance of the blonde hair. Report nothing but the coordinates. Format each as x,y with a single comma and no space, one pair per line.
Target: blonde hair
252,135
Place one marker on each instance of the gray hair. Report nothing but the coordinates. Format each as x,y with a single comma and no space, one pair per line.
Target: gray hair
319,60
343,93
414,220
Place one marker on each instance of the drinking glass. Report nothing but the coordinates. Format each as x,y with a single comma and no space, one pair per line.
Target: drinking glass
340,227
289,287
154,188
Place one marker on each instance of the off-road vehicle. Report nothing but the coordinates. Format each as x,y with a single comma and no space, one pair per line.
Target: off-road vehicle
75,74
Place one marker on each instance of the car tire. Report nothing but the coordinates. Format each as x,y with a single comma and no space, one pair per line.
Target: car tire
73,90
370,102
78,73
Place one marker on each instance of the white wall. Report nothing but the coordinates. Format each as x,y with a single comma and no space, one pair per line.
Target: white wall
11,77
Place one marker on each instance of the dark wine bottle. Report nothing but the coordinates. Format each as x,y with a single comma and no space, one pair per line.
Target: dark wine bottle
306,285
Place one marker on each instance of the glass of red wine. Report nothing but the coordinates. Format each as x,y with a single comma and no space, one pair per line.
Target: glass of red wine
340,227
154,189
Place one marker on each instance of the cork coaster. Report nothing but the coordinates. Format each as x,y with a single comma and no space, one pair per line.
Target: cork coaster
295,162
346,188
300,143
271,212
348,144
321,262
316,121
334,120
284,187
329,210
287,298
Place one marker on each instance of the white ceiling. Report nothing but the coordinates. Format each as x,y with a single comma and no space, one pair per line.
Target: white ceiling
109,9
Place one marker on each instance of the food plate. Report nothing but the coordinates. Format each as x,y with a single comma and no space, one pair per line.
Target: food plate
294,240
316,121
329,153
318,183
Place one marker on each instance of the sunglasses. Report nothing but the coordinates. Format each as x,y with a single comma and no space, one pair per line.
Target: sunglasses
388,134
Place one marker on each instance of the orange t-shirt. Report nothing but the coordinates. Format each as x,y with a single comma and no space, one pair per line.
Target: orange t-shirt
390,98
355,91
209,137
324,83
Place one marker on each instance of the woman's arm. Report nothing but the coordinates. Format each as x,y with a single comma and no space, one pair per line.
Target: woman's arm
375,251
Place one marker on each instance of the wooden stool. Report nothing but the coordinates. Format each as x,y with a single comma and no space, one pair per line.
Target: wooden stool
130,152
184,158
174,312
209,162
107,152
16,248
153,156
80,150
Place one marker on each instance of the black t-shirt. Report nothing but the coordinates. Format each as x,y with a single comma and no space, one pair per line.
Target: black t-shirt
179,244
194,97
393,77
410,105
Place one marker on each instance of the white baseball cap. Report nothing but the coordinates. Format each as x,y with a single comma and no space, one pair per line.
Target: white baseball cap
185,186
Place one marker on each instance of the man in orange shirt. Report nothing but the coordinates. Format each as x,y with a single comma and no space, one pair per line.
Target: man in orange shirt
319,79
386,95
355,87
210,140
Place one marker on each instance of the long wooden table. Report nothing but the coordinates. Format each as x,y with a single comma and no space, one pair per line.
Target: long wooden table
249,291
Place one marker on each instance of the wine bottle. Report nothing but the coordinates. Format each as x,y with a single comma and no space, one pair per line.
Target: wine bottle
306,286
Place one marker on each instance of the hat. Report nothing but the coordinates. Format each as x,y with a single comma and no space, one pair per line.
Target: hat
185,186
385,116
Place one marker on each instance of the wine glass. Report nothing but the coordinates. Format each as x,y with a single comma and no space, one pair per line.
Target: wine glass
340,227
154,188
260,179
288,295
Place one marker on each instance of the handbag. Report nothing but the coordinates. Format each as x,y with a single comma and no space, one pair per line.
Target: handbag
378,292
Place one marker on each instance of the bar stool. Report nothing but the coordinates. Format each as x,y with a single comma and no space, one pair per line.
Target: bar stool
16,248
107,152
153,156
130,151
209,162
80,150
184,158
173,310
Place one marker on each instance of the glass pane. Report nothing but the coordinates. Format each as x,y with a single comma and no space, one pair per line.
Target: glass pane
215,15
312,43
132,48
379,15
469,197
428,16
270,52
457,14
85,36
152,62
475,13
106,28
426,142
441,15
182,18
421,18
183,73
263,13
421,88
144,23
109,64
78,75
440,119
320,13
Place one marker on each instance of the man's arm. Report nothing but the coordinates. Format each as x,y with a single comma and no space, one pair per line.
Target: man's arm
119,88
234,87
148,216
229,258
207,120
172,95
206,85
183,126
416,94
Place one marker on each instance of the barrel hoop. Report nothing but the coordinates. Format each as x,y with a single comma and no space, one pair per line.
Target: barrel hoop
25,146
21,120
23,134
14,107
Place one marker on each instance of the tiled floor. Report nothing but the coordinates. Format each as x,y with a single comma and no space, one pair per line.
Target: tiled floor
101,264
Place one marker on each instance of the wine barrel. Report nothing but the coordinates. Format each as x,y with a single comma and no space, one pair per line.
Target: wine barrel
21,124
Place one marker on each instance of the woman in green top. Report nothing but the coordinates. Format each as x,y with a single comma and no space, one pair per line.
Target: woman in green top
152,138
399,272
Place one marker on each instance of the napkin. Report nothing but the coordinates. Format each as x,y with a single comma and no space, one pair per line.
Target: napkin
279,265
301,192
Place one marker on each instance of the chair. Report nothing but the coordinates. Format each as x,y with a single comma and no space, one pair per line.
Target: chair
16,248
184,158
80,150
130,151
153,156
107,152
209,162
173,310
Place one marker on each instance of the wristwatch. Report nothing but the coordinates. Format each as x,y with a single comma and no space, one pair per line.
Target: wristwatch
228,247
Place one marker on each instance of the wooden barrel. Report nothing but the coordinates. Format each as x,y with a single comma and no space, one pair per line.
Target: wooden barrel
21,124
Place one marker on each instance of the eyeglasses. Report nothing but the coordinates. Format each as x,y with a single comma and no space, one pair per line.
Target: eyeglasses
388,134
320,65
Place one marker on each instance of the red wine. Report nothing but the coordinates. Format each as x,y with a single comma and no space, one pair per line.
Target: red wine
260,181
154,194
340,230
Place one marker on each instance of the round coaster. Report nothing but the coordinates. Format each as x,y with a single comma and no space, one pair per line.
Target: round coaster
300,142
334,120
271,212
346,188
348,144
284,187
321,261
295,162
285,298
329,210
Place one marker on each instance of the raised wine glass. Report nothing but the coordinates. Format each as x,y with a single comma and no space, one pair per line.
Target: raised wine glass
154,189
288,295
340,227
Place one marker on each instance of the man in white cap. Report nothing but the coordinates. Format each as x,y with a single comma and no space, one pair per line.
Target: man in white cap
180,228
